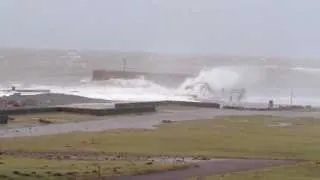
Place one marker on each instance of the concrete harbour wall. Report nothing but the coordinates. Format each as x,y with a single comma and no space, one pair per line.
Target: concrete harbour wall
120,108
280,108
27,110
165,103
91,111
4,119
105,112
168,79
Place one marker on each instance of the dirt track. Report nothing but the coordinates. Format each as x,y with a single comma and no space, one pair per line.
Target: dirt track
204,168
199,168
208,168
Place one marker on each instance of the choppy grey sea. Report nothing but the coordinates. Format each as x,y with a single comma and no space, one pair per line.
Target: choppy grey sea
69,72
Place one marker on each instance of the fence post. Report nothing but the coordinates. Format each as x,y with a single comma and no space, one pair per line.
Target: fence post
124,64
291,96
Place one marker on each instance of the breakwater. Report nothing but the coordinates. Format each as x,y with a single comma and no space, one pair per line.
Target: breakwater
168,79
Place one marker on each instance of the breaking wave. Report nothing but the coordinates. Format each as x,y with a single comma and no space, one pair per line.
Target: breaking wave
144,90
210,83
217,78
261,83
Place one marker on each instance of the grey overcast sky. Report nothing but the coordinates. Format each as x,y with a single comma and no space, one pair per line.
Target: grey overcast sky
234,27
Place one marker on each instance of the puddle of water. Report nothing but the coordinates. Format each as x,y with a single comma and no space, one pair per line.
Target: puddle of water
280,125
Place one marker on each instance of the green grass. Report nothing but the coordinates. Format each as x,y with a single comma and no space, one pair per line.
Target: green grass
56,118
28,168
247,137
303,171
59,117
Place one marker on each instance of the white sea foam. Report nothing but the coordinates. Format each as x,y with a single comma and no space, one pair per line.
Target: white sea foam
306,70
119,90
140,89
217,78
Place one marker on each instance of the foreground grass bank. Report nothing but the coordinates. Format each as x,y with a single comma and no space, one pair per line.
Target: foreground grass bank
302,171
51,118
248,137
30,169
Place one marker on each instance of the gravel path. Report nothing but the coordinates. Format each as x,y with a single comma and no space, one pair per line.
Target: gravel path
208,168
203,168
199,168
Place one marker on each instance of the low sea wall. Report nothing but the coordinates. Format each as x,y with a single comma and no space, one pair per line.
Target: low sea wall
135,107
165,103
4,119
77,110
193,104
109,111
119,108
27,110
280,108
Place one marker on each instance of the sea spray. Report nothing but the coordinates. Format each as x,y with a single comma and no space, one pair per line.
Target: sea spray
216,78
261,82
141,89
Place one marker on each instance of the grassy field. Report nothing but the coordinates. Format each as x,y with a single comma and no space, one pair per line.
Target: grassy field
303,171
55,118
27,168
247,137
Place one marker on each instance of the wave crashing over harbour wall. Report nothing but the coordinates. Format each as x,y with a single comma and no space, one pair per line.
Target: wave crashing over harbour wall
261,83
